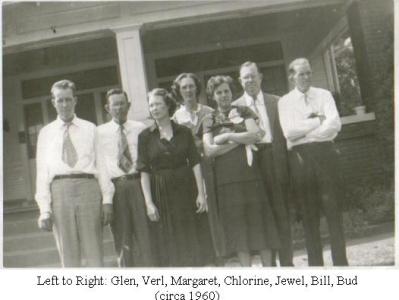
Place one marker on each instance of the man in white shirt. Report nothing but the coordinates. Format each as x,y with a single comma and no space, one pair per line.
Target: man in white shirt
116,150
271,155
67,192
310,122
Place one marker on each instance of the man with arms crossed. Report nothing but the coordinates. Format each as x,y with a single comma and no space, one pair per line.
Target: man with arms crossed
116,149
272,153
310,122
67,192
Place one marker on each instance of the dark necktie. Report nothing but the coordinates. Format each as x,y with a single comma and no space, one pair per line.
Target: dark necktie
69,154
125,162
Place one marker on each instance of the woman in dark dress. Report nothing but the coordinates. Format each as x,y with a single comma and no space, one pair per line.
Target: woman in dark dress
186,88
172,184
246,215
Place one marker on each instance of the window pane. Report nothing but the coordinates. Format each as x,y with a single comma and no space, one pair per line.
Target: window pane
33,122
349,96
85,108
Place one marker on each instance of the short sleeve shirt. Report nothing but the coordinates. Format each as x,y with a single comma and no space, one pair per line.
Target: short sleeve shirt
155,153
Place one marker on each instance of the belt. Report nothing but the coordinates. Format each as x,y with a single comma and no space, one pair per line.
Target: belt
74,176
126,177
264,146
312,145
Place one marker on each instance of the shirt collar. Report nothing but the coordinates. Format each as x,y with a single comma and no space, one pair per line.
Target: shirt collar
300,94
154,127
184,109
185,113
116,126
75,121
250,101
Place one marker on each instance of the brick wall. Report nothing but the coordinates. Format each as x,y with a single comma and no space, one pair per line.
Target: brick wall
371,26
360,154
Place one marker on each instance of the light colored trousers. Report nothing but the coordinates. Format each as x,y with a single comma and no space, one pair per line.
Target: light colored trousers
77,211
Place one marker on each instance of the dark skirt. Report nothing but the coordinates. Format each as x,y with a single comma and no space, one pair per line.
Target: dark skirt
244,208
178,235
215,224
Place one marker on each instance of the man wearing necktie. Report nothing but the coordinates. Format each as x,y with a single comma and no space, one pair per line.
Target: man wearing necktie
116,150
310,122
271,154
67,192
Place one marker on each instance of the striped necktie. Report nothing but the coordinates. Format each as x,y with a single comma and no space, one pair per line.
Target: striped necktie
125,162
69,154
256,110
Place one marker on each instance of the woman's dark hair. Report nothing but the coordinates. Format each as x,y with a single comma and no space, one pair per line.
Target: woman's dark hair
214,82
167,98
176,85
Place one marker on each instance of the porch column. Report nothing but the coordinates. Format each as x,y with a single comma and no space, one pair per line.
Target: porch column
132,69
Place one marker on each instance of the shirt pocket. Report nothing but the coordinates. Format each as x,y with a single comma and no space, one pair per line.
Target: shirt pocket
84,145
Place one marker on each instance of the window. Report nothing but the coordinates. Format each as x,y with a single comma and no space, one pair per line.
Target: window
347,89
33,123
268,56
91,85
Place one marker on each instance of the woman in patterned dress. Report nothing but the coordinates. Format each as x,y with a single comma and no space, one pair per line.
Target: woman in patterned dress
229,135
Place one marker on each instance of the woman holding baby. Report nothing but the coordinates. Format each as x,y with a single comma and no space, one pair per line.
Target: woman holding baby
230,133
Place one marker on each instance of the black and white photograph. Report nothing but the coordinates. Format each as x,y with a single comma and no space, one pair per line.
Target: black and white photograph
198,134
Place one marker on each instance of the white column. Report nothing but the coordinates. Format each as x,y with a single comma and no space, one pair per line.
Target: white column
132,69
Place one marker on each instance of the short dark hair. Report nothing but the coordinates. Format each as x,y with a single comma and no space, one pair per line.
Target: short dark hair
215,81
167,98
116,92
176,85
63,84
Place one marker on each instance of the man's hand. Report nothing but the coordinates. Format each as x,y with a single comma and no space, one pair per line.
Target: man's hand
45,222
322,118
260,134
108,213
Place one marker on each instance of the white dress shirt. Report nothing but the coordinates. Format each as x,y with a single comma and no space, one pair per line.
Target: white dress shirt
295,109
260,109
107,153
49,156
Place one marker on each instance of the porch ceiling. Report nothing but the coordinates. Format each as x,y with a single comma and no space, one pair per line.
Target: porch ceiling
30,23
65,55
315,21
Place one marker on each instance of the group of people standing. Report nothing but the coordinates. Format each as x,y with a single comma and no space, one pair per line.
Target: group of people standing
199,184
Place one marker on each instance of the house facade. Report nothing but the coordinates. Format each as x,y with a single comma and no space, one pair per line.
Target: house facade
140,45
